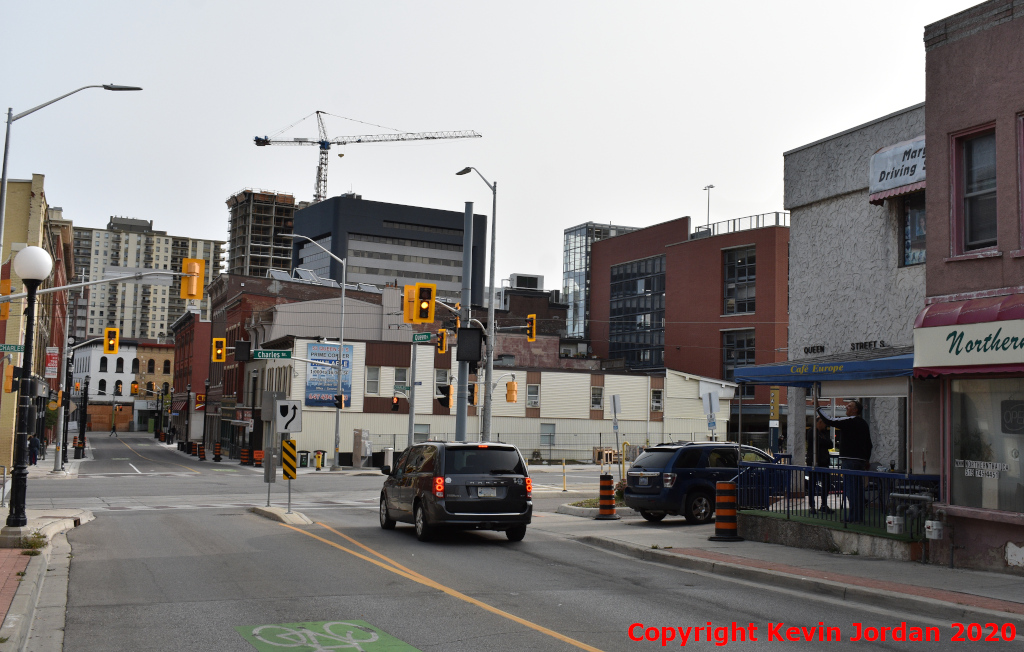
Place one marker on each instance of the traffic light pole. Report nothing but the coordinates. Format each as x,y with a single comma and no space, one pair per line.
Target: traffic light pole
412,393
462,397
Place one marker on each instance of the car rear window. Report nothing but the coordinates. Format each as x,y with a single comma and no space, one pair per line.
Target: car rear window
462,461
657,459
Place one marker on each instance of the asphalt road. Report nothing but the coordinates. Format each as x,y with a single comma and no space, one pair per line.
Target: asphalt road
174,561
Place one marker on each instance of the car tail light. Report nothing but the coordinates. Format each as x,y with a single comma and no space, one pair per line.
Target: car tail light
668,479
439,486
529,487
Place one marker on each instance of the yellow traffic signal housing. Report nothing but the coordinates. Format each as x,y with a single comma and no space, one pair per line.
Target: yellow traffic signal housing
408,301
8,379
474,394
111,340
78,386
135,388
60,397
442,341
5,307
219,349
450,394
423,308
458,316
192,285
531,328
511,392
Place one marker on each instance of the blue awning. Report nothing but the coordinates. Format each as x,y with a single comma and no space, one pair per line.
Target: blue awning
855,365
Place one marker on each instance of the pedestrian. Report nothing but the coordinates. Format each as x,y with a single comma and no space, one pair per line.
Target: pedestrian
820,481
113,430
854,453
33,450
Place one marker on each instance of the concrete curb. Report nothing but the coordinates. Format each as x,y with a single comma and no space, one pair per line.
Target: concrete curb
591,512
18,623
280,514
878,598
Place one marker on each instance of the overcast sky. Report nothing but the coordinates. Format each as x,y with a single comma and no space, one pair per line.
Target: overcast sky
590,111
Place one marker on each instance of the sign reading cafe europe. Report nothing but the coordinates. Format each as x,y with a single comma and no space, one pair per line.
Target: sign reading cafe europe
988,343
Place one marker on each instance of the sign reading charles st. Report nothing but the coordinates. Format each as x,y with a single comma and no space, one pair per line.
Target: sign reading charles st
989,343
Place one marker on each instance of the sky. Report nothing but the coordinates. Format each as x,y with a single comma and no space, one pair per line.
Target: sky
590,110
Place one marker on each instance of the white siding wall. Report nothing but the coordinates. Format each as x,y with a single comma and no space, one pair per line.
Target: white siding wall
424,374
565,396
632,391
500,408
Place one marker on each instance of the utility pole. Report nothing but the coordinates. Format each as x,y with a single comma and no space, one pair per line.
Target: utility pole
412,394
462,397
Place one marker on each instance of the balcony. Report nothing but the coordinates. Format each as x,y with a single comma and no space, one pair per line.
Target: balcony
779,218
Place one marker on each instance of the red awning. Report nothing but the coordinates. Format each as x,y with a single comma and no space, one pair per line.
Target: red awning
879,197
972,311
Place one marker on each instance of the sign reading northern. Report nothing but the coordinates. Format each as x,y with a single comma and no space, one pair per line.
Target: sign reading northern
959,345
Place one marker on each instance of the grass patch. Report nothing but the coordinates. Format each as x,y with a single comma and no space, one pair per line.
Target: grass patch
595,502
31,553
34,542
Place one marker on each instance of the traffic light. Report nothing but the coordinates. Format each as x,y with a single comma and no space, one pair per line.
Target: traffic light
442,341
394,404
119,407
423,308
135,388
8,379
339,401
192,285
531,328
111,340
78,387
447,398
474,394
408,301
219,350
5,307
60,397
458,316
511,392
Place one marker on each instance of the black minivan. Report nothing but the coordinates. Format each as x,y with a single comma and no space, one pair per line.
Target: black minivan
459,485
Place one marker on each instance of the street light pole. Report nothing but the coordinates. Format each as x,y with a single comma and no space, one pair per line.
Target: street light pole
708,188
7,140
485,429
341,342
32,265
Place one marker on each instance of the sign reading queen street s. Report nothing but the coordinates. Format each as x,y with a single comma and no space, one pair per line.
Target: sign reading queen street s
322,381
989,343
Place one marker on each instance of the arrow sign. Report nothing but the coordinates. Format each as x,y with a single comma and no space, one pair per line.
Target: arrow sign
288,416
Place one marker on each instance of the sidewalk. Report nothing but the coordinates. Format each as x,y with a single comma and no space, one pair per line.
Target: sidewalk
926,589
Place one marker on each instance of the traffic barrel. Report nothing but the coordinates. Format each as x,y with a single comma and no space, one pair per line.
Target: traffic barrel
202,452
163,437
193,449
75,445
725,512
244,456
606,500
216,452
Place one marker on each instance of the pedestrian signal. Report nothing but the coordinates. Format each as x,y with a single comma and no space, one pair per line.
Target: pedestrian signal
111,340
474,394
531,328
511,392
192,283
446,397
394,404
219,349
339,401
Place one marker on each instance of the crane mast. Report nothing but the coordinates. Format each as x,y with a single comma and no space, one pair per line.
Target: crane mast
324,143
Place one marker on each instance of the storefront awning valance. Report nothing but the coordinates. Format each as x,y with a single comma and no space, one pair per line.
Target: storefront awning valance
968,337
890,362
177,406
879,197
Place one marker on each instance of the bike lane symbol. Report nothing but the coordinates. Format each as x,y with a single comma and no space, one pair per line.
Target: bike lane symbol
354,635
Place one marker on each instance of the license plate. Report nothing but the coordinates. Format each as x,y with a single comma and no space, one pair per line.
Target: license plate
487,492
642,481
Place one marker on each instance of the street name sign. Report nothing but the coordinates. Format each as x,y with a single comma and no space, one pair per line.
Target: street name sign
421,337
402,388
271,354
12,348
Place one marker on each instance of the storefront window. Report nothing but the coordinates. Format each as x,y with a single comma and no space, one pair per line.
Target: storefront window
913,229
988,437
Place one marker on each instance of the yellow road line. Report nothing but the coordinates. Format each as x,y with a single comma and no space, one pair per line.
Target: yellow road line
154,461
398,569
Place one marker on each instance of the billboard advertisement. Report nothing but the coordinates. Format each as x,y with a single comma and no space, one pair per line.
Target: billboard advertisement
322,381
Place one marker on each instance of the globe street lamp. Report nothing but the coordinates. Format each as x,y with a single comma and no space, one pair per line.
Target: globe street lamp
32,265
485,430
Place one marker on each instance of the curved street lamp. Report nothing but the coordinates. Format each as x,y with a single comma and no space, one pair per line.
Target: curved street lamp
33,265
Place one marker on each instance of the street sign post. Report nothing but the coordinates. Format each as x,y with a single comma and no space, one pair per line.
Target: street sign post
421,337
271,354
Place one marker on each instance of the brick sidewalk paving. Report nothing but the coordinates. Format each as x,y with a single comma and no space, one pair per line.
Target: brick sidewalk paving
12,562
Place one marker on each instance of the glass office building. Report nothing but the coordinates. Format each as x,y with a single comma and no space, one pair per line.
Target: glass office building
576,272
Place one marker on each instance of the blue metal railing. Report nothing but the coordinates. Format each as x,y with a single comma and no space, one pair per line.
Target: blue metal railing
838,497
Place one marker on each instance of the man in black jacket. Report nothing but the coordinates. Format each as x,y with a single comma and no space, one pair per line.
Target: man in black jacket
854,453
820,480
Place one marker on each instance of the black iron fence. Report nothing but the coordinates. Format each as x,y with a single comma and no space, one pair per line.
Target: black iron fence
869,501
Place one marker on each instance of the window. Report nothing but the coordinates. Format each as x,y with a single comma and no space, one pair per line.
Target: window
373,380
103,363
597,398
533,396
421,432
547,432
117,388
913,229
657,404
119,367
149,386
977,189
723,458
167,363
151,366
739,273
440,380
102,387
135,365
637,312
401,375
737,351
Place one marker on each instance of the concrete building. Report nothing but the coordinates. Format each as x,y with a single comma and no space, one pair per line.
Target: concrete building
110,378
140,310
390,244
576,244
258,220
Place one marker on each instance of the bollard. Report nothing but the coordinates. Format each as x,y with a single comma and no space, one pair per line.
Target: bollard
563,475
606,503
725,512
244,456
202,452
216,452
319,460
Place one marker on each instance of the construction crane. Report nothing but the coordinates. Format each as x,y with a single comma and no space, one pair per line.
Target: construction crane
324,143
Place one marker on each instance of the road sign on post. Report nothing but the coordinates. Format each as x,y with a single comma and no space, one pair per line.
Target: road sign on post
288,458
288,416
421,337
271,354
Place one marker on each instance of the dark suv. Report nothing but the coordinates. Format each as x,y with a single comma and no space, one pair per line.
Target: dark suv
680,478
470,486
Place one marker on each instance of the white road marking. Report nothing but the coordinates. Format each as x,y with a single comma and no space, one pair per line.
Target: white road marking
133,466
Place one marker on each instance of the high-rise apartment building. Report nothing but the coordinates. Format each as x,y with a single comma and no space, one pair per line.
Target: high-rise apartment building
576,272
259,222
139,309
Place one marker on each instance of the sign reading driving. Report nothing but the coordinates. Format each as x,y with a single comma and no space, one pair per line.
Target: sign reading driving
271,354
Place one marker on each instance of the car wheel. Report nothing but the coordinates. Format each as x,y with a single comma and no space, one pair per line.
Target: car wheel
653,517
699,507
423,529
386,521
516,533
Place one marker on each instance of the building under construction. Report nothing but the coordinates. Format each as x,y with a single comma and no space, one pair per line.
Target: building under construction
257,221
